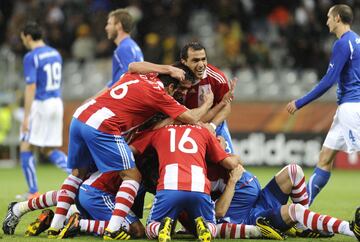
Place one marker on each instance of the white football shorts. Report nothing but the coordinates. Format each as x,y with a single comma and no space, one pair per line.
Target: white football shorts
46,123
344,133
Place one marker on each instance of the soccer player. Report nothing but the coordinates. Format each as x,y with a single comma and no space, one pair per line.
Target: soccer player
96,137
118,28
96,201
182,183
344,68
193,55
244,202
41,129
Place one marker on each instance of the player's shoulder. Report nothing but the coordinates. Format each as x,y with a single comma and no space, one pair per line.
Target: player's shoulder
29,55
215,74
127,43
349,38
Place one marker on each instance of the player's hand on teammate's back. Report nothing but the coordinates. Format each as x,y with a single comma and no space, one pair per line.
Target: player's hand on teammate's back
177,73
291,107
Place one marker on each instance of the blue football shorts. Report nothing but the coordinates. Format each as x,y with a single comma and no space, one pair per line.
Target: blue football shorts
98,205
89,146
169,203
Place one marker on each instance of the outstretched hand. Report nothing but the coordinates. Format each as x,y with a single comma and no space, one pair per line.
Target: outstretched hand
229,96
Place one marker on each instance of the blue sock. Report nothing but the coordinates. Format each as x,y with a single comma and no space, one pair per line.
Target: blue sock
28,167
58,158
317,181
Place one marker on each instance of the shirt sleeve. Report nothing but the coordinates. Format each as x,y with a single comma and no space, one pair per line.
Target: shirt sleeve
214,151
339,57
143,141
220,88
29,69
166,103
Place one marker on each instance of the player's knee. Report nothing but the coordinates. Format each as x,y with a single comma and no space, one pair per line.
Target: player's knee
296,173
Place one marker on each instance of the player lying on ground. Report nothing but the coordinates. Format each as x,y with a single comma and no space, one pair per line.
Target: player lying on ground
96,202
243,202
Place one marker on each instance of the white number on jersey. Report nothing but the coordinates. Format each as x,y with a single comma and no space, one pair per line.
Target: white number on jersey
53,72
124,89
181,146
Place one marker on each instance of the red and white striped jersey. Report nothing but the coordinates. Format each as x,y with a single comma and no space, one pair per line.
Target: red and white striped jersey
213,79
181,150
107,182
129,103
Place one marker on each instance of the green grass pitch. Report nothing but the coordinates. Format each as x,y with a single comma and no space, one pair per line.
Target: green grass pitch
339,198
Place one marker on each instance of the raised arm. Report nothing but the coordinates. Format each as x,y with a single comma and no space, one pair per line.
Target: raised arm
145,67
223,203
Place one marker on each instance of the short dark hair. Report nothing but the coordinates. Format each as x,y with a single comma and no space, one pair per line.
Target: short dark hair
344,11
189,75
33,29
192,45
123,16
167,80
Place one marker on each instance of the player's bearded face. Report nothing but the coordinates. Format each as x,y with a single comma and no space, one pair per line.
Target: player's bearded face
197,62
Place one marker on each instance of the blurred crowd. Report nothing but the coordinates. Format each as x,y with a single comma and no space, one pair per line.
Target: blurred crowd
236,33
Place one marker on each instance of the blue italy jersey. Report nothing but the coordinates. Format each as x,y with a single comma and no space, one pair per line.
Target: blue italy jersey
43,66
126,52
344,68
247,192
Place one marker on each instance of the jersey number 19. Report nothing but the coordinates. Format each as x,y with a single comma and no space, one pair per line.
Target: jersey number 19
53,72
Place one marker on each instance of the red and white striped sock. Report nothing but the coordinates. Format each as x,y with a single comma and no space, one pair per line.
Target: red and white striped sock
93,226
315,221
66,197
213,229
45,200
123,202
298,193
237,231
152,230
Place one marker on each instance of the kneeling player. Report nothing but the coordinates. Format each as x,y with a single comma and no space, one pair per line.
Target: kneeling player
183,184
244,202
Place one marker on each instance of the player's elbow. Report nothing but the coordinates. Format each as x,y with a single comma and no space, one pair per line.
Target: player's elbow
134,67
230,162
